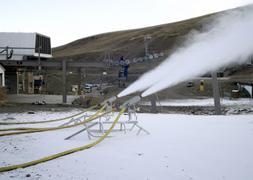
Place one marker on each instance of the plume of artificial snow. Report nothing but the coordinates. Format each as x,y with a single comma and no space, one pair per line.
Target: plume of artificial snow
227,40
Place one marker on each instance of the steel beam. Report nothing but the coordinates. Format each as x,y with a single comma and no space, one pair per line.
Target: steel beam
48,63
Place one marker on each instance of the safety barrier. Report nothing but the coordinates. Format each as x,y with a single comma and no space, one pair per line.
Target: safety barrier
48,158
48,121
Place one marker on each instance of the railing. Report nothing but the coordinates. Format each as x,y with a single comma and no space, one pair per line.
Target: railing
6,50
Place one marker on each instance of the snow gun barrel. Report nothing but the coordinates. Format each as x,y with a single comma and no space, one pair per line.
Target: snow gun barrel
109,101
131,102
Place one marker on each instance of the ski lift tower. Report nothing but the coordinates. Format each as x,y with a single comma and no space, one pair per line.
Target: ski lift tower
147,40
216,93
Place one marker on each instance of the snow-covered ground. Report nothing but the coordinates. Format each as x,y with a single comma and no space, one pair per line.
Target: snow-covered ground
35,116
39,116
180,147
202,102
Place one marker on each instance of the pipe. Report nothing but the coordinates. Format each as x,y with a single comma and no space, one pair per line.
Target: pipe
131,102
110,100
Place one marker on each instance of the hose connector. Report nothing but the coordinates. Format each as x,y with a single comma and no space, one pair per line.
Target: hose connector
131,102
109,101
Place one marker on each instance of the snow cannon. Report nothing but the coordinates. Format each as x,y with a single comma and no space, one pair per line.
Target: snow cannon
109,101
131,102
108,104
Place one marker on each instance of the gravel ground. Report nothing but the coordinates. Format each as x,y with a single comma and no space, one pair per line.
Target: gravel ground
199,110
194,110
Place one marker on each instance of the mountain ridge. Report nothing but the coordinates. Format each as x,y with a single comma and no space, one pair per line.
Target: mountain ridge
130,43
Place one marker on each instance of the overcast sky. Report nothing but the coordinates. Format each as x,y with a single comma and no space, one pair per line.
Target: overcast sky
67,20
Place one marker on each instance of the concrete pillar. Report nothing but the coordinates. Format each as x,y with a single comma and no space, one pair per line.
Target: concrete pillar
79,80
153,103
64,84
216,94
251,91
17,81
30,83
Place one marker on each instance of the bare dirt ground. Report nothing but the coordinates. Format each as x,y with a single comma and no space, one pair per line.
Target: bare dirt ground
199,110
189,110
180,91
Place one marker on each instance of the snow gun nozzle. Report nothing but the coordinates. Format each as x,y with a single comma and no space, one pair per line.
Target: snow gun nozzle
109,101
131,102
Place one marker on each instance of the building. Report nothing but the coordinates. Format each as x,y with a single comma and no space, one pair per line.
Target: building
2,76
18,48
24,46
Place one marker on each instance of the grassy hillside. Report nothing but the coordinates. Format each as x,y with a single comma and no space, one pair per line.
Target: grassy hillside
130,43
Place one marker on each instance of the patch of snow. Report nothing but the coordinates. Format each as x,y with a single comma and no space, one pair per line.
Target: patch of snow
180,147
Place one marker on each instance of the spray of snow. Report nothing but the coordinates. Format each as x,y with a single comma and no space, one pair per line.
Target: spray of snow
227,40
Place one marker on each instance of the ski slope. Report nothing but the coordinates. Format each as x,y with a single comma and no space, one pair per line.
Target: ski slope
180,147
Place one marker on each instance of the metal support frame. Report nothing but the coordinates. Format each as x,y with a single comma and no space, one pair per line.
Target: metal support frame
17,83
101,129
102,121
39,61
82,130
75,120
131,111
122,127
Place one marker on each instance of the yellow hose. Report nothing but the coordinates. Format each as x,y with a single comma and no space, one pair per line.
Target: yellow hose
34,130
22,128
48,158
47,121
18,129
30,128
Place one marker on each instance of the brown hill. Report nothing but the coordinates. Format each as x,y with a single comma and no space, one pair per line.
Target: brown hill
130,43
